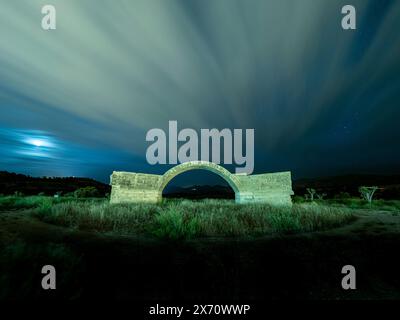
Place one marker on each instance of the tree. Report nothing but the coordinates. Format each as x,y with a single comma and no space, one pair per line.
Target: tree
312,193
367,192
321,196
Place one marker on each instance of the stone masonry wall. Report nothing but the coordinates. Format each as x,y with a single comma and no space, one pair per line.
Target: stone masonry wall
271,188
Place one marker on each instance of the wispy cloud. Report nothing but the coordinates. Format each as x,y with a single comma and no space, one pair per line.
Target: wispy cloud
114,69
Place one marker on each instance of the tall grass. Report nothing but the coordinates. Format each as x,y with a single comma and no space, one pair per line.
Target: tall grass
21,202
356,203
190,219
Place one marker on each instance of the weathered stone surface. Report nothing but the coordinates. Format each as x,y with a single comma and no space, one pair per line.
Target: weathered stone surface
271,188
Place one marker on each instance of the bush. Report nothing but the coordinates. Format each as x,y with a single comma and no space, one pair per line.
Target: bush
342,195
298,199
86,192
69,195
367,193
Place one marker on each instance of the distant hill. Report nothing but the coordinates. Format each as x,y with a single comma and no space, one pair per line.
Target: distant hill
12,182
390,185
200,192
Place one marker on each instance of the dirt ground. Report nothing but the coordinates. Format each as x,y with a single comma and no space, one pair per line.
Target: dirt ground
302,266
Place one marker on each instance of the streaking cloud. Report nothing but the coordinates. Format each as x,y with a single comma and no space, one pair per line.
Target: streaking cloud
38,152
115,69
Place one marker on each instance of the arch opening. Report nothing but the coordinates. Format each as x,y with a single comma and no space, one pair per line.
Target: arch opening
198,165
198,184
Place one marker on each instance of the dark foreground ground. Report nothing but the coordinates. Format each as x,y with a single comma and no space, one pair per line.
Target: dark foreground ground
92,266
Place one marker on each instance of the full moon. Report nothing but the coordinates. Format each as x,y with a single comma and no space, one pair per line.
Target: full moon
37,143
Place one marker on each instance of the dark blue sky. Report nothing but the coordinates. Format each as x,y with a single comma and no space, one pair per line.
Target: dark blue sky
78,101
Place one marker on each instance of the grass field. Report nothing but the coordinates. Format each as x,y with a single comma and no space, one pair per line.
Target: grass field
232,251
354,203
27,202
181,219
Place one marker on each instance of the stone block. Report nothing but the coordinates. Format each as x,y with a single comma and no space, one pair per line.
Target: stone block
272,188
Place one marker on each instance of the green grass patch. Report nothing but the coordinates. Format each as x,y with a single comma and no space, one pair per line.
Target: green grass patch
21,202
191,219
356,203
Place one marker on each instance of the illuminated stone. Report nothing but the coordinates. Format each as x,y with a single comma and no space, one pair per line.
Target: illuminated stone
270,188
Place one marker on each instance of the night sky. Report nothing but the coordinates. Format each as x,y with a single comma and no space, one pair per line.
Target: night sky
78,101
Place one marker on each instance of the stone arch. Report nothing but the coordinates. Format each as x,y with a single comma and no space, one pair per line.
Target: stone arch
199,165
272,188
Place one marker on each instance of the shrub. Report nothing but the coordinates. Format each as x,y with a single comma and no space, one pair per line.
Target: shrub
342,195
311,193
69,195
321,196
367,193
298,199
86,192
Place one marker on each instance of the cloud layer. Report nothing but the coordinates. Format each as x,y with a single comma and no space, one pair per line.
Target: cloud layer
115,69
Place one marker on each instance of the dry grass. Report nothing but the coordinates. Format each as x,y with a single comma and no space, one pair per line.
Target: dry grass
189,219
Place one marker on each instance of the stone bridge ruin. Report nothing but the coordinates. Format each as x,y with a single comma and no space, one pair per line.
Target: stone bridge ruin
270,188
